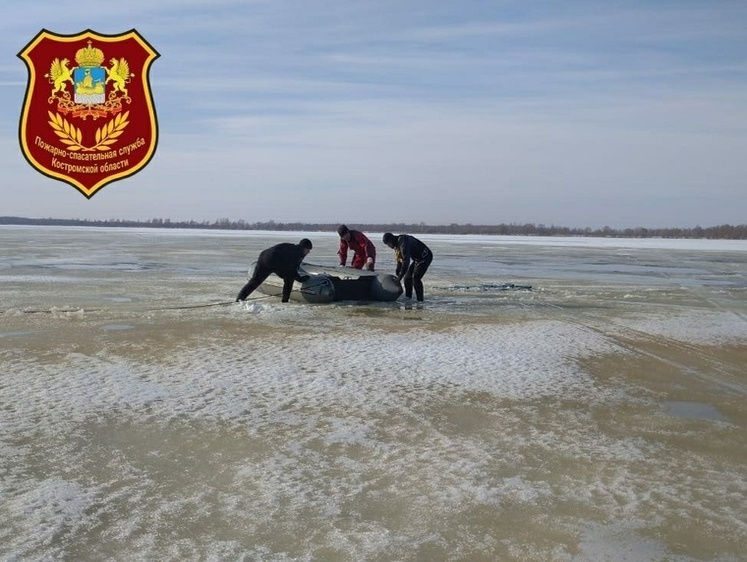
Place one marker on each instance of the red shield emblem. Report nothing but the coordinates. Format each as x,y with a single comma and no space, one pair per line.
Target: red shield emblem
88,117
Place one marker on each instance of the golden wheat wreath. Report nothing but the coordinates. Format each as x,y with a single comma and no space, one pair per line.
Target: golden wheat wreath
105,136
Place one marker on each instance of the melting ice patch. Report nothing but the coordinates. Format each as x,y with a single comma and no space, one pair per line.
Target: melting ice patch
46,512
701,327
305,427
362,368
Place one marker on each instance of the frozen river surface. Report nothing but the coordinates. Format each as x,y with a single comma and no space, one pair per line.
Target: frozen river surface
146,416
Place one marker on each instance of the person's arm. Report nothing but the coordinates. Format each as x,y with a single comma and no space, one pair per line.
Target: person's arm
288,264
366,247
343,252
291,275
301,274
287,286
404,256
370,250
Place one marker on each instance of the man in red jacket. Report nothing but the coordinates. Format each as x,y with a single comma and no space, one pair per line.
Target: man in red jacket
364,252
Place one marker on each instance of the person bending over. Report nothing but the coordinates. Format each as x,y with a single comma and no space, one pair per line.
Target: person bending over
282,260
413,258
364,252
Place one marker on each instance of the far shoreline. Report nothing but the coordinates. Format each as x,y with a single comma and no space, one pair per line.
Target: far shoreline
719,232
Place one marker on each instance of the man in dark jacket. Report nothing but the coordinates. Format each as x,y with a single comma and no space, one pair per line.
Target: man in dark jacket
413,258
364,252
283,260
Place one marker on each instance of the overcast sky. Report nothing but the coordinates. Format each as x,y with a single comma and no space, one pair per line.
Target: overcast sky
573,113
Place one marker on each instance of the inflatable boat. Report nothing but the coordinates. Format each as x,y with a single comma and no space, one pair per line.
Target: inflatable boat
332,284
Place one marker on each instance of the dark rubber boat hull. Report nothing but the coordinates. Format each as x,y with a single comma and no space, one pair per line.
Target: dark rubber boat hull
335,284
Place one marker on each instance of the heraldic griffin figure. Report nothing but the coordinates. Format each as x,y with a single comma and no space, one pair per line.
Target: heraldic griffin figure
60,73
119,73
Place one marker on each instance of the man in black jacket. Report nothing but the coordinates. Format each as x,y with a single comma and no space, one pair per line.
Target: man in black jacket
283,260
413,258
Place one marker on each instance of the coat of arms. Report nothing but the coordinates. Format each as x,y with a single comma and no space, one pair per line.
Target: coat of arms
88,116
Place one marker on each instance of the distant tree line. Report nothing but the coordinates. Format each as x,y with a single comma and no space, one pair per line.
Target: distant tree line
721,232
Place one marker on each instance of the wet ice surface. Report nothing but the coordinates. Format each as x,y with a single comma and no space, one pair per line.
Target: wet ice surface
143,415
693,410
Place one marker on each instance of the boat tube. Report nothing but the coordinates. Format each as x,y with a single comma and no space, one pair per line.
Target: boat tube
327,284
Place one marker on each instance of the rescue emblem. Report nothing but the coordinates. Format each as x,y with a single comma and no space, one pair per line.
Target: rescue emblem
88,116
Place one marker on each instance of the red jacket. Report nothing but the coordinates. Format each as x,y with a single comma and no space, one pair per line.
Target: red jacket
362,249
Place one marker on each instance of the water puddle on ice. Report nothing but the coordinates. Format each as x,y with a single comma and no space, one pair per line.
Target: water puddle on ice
693,410
116,327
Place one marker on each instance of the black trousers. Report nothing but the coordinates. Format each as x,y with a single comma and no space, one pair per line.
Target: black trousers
414,276
262,272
